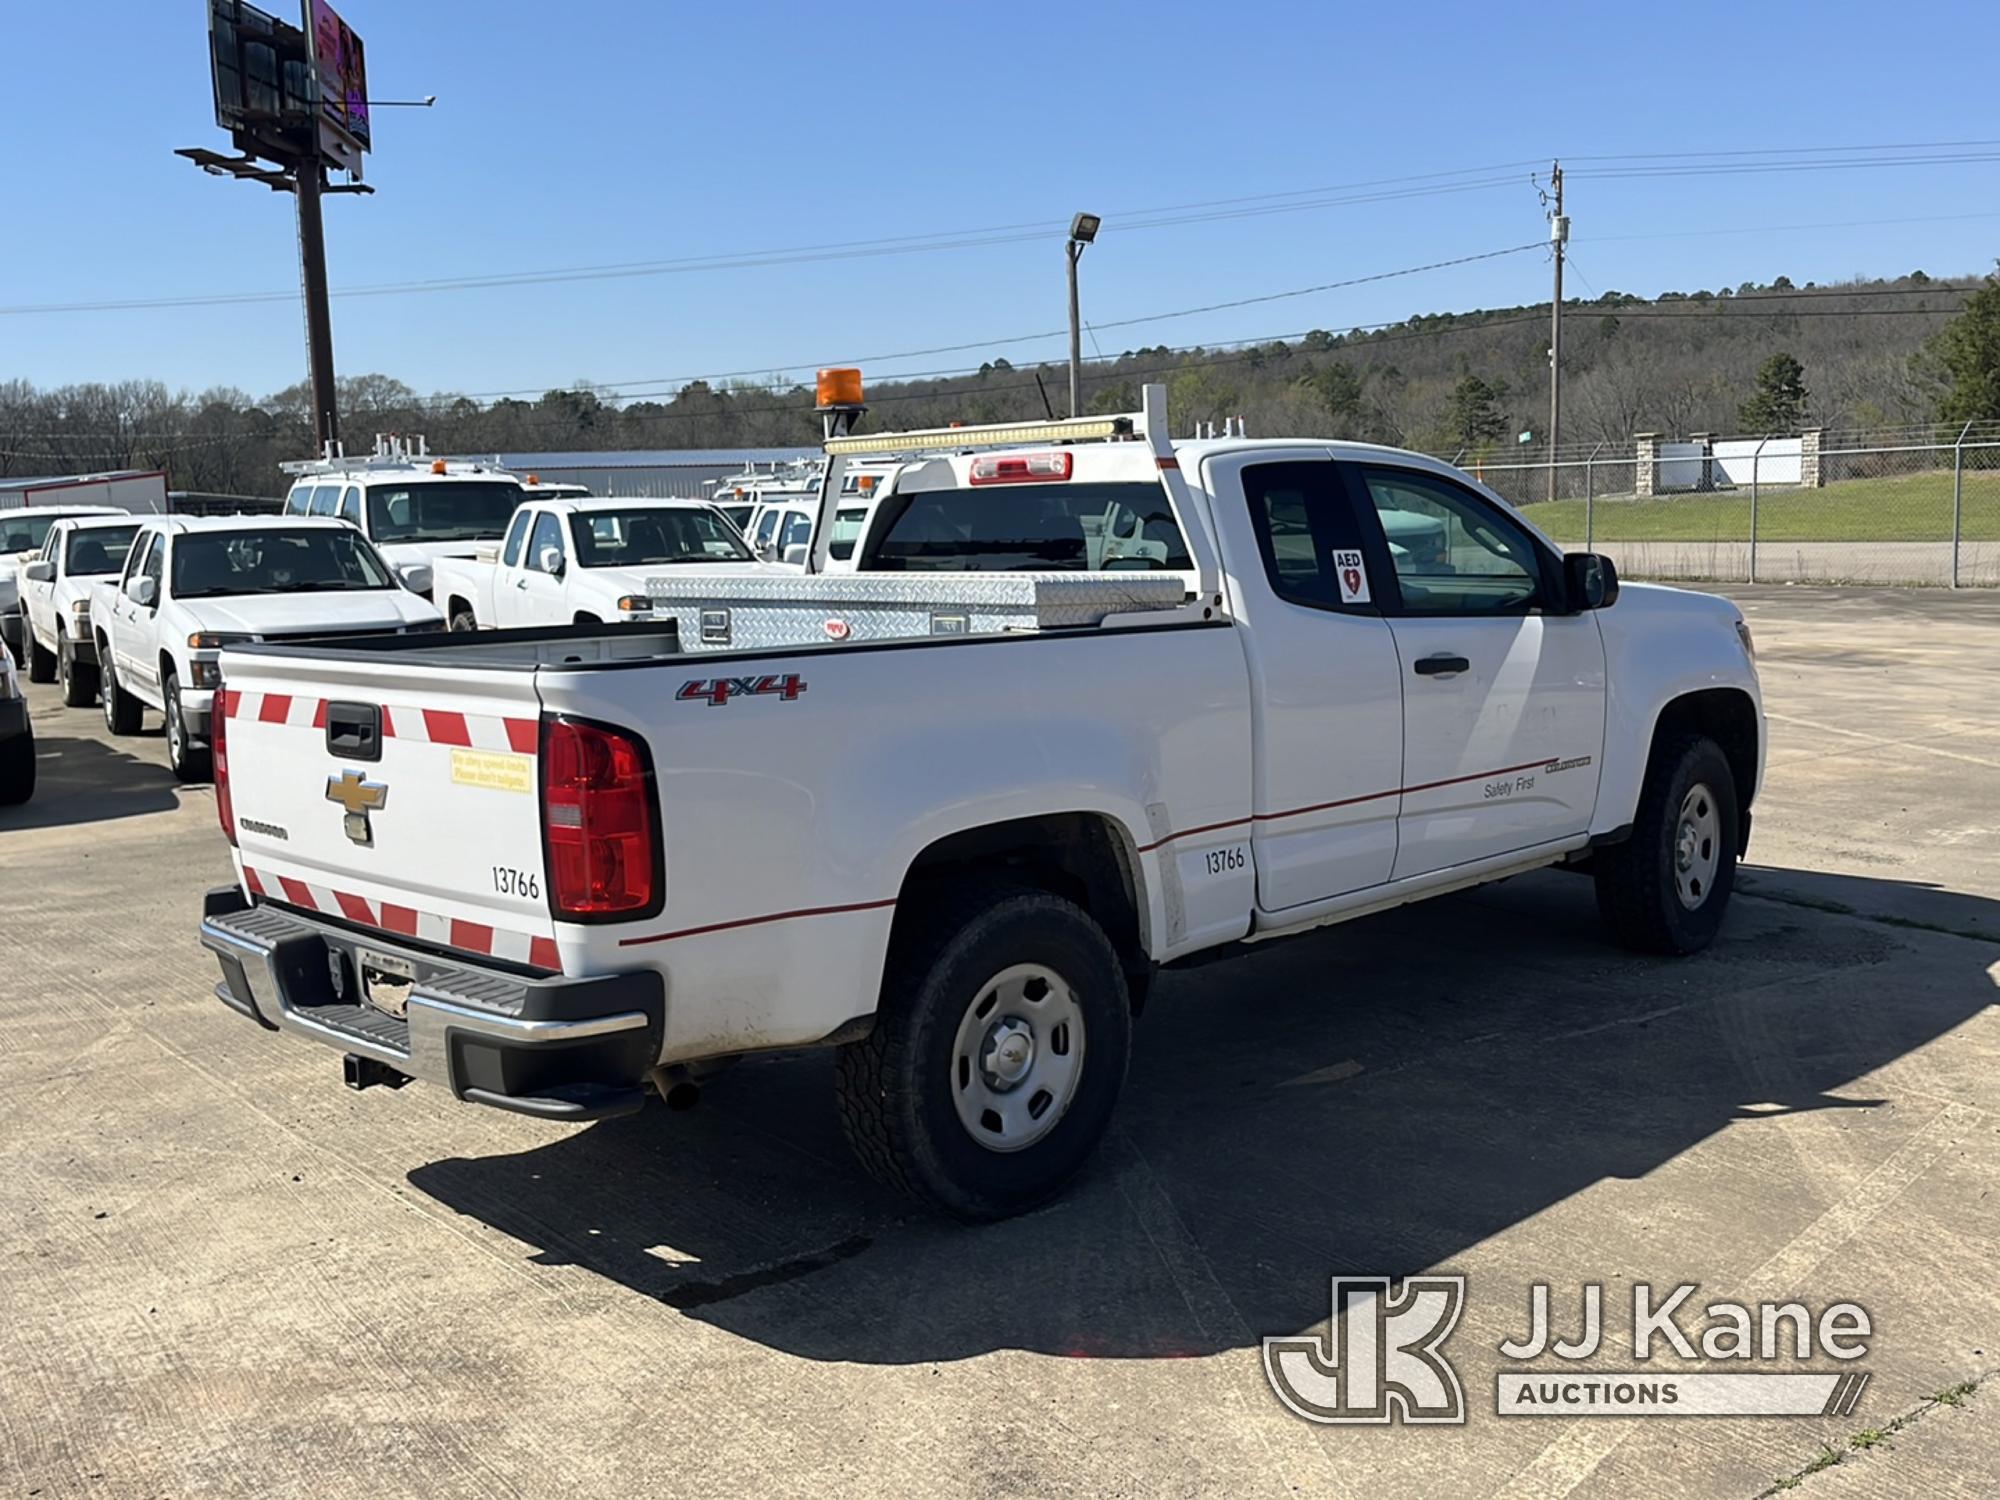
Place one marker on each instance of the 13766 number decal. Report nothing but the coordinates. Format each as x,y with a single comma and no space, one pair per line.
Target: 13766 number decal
1223,861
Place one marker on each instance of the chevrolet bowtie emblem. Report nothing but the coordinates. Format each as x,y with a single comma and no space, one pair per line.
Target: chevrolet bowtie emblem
360,797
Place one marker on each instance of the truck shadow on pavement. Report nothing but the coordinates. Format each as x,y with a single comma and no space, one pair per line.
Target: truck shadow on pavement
1372,1099
81,780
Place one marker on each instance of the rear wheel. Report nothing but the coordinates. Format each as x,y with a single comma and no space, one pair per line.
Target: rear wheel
998,1053
1665,889
121,709
78,678
17,769
189,762
41,660
463,621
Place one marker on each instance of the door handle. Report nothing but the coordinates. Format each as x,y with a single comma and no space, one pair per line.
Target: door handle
1443,665
520,583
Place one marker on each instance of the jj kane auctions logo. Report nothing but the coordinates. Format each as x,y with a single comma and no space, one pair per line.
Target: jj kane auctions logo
1382,1359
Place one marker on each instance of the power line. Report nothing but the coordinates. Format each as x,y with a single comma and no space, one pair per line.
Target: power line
1024,338
1373,190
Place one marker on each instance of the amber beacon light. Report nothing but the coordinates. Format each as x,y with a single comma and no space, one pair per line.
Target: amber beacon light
841,387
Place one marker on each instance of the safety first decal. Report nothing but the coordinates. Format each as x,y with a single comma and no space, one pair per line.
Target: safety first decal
1353,575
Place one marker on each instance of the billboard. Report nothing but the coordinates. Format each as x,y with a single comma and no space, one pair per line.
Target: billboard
264,84
342,66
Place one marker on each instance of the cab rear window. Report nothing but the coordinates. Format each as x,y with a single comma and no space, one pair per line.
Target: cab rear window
1033,528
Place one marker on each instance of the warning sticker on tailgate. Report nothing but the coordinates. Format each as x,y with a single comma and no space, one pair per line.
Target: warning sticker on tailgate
492,770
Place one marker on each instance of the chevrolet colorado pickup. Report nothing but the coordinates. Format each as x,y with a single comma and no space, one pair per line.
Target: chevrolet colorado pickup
189,586
950,813
582,561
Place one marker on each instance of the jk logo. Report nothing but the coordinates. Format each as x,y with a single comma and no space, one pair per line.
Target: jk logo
1380,1359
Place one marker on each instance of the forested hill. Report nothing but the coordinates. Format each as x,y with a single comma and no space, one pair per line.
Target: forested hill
1701,361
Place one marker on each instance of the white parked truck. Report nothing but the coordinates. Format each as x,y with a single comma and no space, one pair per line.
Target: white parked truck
23,534
414,508
56,588
191,586
951,822
587,561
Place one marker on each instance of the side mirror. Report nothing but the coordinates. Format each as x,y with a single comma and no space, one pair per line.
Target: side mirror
41,570
795,555
551,561
1590,581
143,592
417,578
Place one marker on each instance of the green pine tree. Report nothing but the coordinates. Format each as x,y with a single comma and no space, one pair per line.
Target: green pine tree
1779,402
1962,360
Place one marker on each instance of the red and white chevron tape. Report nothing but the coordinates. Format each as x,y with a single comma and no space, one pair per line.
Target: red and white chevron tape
434,726
528,948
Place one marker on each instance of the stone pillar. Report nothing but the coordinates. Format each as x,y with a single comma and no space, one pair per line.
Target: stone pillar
1810,475
1647,466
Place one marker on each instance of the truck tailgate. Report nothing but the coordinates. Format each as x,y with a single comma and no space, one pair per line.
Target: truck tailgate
391,796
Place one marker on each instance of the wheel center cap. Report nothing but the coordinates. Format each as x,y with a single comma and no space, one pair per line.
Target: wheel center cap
1010,1053
1685,845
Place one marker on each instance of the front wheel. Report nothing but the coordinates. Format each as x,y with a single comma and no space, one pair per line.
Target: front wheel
189,762
1665,889
41,661
121,709
78,679
998,1053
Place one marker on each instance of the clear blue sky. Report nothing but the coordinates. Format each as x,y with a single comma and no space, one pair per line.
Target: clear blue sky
626,131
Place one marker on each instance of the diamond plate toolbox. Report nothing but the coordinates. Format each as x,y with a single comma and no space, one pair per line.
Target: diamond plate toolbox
752,613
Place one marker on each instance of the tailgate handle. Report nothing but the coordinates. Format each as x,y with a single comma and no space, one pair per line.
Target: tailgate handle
354,730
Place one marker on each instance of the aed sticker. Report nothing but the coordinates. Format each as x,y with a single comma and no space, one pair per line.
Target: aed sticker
1353,575
493,770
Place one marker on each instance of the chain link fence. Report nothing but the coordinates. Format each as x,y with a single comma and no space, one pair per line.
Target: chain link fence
1896,506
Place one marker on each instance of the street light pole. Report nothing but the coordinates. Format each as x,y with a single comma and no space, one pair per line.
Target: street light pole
1082,231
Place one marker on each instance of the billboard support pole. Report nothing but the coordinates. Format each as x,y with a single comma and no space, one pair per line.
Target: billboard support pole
309,182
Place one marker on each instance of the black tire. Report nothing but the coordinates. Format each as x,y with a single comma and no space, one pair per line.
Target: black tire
17,769
78,678
1639,886
41,661
187,760
464,621
896,1087
121,709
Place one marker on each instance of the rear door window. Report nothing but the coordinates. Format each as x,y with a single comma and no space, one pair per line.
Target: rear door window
1308,534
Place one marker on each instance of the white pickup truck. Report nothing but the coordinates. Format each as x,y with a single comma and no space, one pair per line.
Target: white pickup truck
191,586
23,534
551,871
415,509
586,561
56,587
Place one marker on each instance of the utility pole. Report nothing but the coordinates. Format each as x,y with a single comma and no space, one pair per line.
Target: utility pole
1558,237
309,182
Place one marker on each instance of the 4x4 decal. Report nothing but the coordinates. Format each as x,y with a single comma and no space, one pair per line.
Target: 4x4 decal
716,691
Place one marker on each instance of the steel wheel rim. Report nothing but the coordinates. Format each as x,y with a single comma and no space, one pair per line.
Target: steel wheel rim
1017,1058
109,688
1697,851
176,733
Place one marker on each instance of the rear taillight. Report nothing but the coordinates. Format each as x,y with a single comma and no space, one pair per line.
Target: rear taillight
218,744
1022,468
599,822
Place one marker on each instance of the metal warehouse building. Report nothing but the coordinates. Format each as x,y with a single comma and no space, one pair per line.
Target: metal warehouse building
679,472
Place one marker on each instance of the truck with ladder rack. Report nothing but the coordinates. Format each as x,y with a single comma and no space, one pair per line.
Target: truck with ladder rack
1094,703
